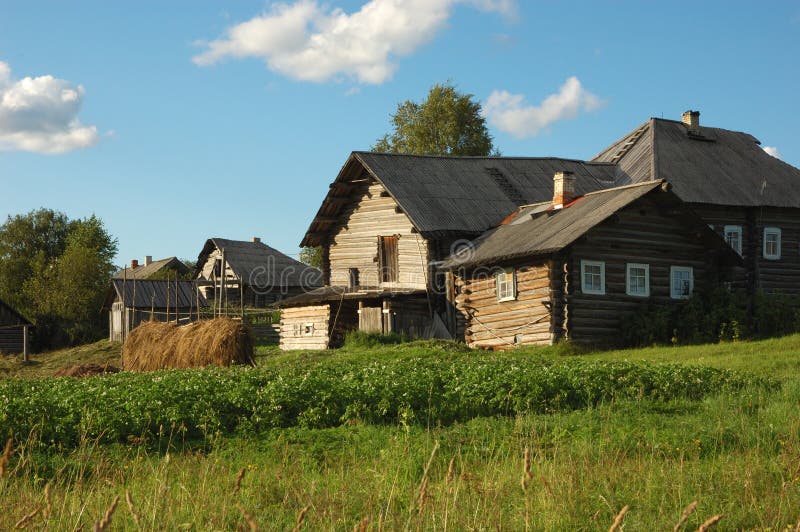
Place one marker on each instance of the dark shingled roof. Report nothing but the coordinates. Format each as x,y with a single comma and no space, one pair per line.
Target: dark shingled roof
10,317
540,230
716,166
257,264
155,293
145,271
457,195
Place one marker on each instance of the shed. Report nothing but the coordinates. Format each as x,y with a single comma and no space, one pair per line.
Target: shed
130,302
14,331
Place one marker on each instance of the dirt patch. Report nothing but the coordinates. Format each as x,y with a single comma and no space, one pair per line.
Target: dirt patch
86,370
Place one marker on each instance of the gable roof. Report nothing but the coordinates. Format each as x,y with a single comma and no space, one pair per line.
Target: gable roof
455,195
258,264
10,317
145,271
538,230
716,166
147,294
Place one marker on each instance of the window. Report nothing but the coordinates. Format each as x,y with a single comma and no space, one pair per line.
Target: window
387,258
733,236
681,282
506,282
593,277
308,329
772,243
637,280
352,277
297,329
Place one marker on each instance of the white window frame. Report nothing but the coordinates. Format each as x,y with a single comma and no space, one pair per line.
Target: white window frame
737,230
628,289
602,265
500,284
308,329
777,232
672,270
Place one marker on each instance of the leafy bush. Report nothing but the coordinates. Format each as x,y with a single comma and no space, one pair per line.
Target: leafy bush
421,390
363,340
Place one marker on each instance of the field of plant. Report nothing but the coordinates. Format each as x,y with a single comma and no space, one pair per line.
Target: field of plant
420,436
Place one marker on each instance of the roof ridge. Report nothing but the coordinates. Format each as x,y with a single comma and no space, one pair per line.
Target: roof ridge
652,182
487,157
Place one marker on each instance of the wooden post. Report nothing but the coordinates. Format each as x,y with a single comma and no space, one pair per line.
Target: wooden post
177,302
222,292
134,300
124,313
197,298
241,298
25,344
167,318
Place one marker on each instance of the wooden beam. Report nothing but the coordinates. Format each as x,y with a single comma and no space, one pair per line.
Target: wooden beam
25,344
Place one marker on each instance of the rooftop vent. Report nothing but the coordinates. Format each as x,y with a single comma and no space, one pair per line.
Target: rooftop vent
256,240
148,260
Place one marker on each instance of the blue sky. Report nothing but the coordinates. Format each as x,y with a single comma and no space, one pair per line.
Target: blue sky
177,121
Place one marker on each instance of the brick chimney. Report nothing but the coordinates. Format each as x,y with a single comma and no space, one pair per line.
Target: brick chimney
134,264
256,240
691,119
563,189
148,260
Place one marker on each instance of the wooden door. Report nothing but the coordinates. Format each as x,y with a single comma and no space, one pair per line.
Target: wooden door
370,320
388,258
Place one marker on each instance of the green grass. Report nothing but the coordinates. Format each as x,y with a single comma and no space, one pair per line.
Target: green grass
45,364
735,453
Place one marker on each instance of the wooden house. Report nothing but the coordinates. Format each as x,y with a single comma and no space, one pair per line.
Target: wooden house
14,331
388,220
150,269
251,273
574,267
130,302
749,197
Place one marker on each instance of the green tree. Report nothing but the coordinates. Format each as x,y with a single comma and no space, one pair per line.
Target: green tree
312,256
448,122
56,271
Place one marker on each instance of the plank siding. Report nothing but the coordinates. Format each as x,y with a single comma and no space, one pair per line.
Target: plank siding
372,213
294,321
638,234
488,323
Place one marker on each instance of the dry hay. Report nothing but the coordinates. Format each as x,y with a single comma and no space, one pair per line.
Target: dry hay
85,370
156,345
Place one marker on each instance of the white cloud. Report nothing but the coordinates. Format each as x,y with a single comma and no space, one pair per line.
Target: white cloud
309,41
41,115
772,150
509,112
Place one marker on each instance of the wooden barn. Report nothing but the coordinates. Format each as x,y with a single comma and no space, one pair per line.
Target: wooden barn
573,267
153,269
130,302
251,273
14,331
749,197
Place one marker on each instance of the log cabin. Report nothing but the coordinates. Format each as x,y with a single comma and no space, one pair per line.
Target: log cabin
14,331
572,268
251,273
389,221
748,196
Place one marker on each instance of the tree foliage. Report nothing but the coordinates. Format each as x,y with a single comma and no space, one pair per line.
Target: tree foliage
56,271
448,122
312,256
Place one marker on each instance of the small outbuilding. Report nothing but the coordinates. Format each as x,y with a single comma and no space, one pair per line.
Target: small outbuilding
131,302
171,267
14,331
251,273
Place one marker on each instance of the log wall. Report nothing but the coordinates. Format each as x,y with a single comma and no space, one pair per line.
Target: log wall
642,233
294,321
488,323
354,241
782,275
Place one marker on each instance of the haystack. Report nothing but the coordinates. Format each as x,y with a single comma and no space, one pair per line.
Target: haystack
157,345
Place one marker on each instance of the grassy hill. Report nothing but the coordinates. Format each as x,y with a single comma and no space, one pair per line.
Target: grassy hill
734,451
